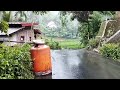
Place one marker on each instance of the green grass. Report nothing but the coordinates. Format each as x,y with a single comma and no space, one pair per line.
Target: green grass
68,43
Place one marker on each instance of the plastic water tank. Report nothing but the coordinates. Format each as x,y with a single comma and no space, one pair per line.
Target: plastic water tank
40,54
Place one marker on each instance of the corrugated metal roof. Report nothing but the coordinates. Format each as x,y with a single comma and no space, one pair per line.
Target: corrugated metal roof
14,22
23,23
10,31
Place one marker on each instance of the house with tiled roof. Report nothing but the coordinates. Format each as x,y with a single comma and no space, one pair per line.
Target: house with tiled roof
19,32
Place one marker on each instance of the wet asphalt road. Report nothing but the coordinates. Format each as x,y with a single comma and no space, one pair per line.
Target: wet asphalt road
81,64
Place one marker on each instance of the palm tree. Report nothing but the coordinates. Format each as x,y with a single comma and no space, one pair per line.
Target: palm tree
22,14
6,16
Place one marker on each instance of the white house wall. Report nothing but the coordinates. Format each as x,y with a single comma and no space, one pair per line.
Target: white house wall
26,34
16,37
4,38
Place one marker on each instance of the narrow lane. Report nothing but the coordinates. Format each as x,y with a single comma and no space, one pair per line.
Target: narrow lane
80,64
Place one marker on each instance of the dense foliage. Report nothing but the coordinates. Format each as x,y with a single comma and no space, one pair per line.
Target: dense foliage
63,27
6,16
15,62
4,26
90,29
53,44
111,50
93,43
89,22
62,43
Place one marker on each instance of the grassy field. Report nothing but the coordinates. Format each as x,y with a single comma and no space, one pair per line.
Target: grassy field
68,43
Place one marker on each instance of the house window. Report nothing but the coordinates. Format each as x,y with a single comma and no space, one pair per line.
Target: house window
35,36
30,38
22,38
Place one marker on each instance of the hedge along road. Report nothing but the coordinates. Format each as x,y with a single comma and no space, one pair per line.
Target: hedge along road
82,64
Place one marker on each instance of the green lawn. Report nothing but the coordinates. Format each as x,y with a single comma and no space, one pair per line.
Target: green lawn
68,43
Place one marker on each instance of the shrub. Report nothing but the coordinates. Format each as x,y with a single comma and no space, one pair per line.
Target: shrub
111,50
53,44
15,62
93,43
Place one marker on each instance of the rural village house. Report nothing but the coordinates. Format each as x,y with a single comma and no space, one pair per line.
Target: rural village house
19,32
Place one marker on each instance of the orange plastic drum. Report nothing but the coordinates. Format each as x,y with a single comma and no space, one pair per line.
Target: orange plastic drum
41,57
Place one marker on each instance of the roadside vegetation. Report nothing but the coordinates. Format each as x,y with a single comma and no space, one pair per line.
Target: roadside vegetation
15,62
111,50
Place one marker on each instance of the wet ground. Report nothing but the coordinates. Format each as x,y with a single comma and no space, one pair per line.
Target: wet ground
81,64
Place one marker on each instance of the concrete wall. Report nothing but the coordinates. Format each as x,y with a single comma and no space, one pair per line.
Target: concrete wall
115,38
106,26
111,26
